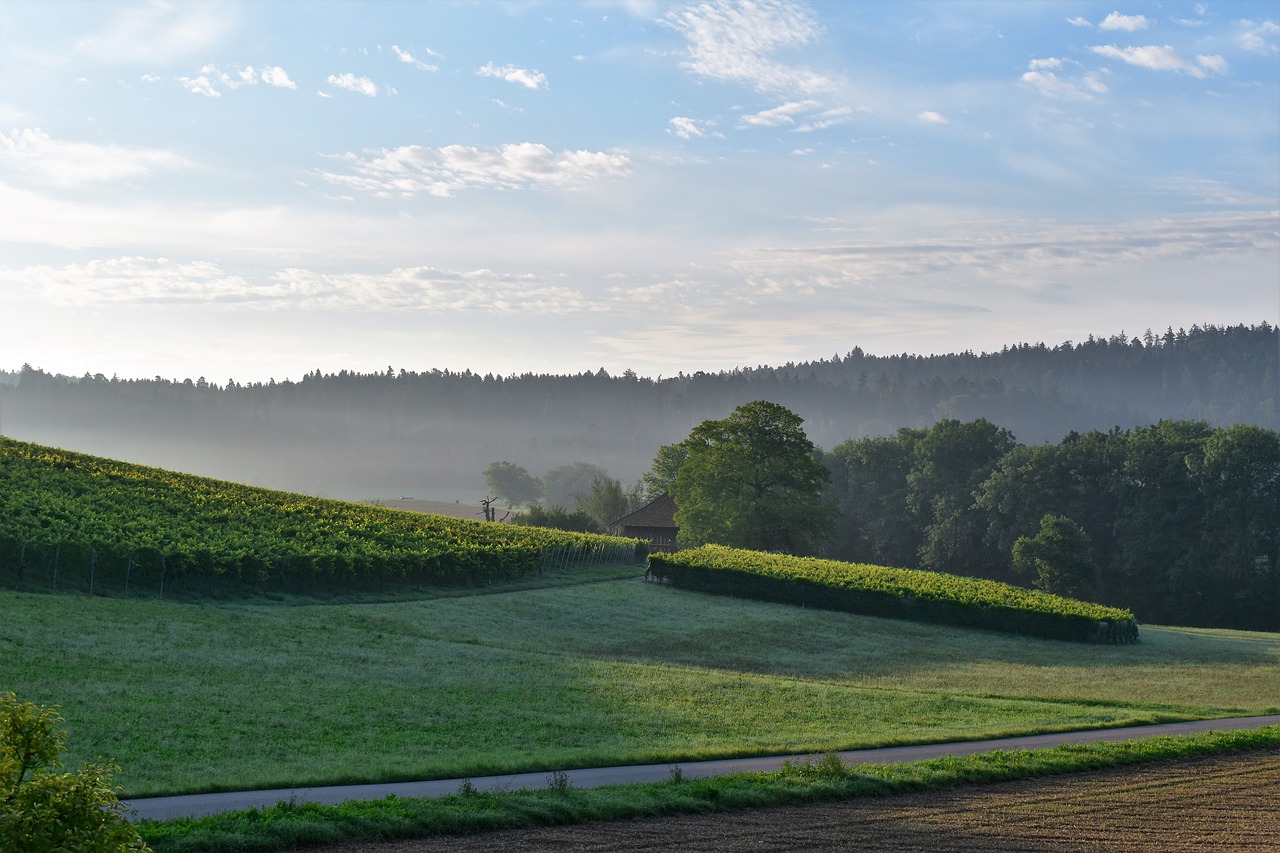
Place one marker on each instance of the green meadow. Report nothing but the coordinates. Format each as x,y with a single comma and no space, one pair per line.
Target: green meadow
200,697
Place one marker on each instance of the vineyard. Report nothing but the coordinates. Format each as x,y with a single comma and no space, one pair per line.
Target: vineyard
70,521
899,593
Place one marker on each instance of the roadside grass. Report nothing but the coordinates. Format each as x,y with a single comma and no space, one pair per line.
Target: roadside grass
191,698
289,826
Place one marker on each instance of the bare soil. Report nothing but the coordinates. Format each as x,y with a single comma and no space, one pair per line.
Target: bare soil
1229,803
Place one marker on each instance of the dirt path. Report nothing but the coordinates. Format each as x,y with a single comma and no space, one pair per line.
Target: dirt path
1220,804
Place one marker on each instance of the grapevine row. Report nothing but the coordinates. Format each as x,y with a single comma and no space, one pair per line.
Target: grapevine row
73,521
896,593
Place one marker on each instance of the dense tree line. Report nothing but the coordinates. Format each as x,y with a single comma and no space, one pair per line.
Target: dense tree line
1178,521
339,433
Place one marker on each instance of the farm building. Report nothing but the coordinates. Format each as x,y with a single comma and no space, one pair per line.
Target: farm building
655,521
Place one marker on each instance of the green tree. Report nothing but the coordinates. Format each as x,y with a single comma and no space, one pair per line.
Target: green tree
752,480
512,483
1239,479
869,485
949,462
41,810
1059,555
607,501
659,479
558,518
561,485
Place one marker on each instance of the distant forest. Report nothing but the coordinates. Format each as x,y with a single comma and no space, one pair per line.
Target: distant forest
357,435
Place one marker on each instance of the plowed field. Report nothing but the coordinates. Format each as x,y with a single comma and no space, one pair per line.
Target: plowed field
1221,804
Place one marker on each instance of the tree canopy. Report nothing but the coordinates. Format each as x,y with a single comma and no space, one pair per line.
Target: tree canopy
752,480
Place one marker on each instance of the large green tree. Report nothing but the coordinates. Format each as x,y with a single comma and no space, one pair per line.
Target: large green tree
869,485
512,483
1059,557
949,462
752,480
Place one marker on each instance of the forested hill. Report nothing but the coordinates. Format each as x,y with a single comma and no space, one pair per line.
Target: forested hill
345,434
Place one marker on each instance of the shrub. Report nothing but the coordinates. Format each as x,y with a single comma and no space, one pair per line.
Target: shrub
44,810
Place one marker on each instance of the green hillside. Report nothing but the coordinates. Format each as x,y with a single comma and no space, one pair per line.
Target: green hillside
73,521
226,692
190,698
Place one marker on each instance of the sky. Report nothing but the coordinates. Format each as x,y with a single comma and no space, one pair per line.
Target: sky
256,190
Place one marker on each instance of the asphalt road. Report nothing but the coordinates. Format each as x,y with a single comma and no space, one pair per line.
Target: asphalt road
198,805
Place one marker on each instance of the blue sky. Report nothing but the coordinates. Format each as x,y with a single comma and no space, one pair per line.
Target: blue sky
260,189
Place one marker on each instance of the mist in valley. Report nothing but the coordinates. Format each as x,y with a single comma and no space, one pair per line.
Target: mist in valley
430,435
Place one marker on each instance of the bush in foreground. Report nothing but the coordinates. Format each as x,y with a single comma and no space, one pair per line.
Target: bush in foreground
43,810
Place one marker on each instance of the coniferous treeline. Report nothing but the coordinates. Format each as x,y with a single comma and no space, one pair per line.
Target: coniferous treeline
1182,519
336,433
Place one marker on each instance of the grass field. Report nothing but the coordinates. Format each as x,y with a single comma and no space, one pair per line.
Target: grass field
193,698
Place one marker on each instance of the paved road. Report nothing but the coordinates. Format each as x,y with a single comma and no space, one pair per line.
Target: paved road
197,805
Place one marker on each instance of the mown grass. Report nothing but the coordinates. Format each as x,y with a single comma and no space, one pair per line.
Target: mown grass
289,826
196,698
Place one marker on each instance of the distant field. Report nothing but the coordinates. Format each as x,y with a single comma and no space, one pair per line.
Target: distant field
191,698
454,509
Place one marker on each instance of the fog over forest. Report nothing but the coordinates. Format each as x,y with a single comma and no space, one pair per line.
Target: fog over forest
431,433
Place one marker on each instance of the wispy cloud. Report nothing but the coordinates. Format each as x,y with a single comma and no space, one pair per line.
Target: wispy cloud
1051,85
686,128
133,280
211,79
415,170
1164,58
523,76
931,117
1259,38
160,33
352,83
405,56
736,43
780,115
1127,23
1080,22
32,152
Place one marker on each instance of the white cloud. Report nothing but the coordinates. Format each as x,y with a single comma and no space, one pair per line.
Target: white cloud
156,281
826,118
1259,38
34,153
735,43
200,86
686,128
512,74
150,78
1127,23
1080,22
159,33
931,117
1041,64
414,170
1213,64
1153,58
780,115
1052,86
405,56
211,77
274,75
352,83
